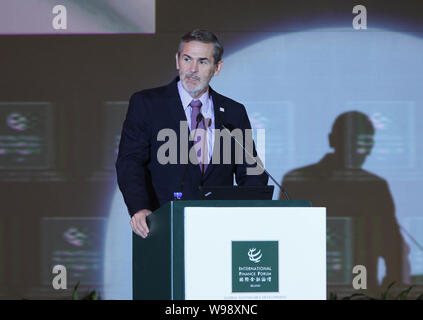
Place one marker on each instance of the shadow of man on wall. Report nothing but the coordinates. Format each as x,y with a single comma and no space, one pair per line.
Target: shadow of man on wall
339,183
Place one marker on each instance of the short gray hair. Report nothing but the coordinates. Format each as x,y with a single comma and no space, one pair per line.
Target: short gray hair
205,37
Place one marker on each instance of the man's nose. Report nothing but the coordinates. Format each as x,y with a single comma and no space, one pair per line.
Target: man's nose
194,66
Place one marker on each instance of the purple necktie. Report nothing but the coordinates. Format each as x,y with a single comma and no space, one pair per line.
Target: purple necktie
200,141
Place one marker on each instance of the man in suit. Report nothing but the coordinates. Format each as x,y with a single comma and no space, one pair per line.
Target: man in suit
147,176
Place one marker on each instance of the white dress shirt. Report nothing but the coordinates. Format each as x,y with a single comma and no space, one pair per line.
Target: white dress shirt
207,111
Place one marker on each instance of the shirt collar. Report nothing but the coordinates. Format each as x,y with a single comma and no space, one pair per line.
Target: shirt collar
186,98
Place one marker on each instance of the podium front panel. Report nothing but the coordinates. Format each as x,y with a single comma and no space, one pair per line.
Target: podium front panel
254,253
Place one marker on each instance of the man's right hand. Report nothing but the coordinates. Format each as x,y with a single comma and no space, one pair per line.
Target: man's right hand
139,223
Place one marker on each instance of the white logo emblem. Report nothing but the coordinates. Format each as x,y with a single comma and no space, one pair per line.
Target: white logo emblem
254,256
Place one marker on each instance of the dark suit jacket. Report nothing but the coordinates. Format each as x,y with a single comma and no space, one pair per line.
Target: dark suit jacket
147,184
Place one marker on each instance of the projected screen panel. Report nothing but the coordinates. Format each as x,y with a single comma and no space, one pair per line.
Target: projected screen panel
114,114
76,243
77,16
276,125
26,140
317,76
319,73
325,73
395,138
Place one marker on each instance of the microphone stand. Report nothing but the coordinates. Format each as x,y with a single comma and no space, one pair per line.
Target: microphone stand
282,189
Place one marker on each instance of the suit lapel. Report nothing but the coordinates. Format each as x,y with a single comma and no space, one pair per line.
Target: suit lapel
176,109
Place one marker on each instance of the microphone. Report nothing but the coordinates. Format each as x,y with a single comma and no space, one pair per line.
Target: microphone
209,122
178,195
282,189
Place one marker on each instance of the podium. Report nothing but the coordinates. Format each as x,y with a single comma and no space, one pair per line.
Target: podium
239,249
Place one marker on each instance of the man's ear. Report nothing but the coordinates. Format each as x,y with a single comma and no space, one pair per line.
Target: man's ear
218,67
177,61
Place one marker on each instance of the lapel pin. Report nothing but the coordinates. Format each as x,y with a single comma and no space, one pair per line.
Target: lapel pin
222,109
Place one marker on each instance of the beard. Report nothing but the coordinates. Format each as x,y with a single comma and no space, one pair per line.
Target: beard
203,83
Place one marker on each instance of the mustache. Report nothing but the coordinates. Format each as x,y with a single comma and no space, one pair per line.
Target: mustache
192,75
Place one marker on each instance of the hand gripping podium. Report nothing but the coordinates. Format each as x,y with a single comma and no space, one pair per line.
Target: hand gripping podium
240,249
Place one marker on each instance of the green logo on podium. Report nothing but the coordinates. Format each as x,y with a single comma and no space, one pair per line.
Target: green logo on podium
255,266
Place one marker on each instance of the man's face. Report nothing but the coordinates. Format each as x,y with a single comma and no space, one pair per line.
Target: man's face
196,67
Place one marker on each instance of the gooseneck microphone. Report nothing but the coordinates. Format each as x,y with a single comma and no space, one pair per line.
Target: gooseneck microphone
282,189
178,195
